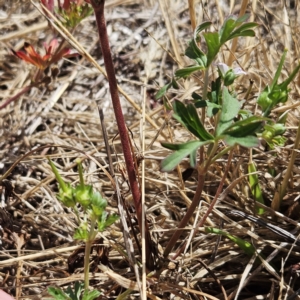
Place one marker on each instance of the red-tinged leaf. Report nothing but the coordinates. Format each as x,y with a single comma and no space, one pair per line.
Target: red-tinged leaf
46,58
66,4
30,50
35,57
62,53
25,57
42,62
51,47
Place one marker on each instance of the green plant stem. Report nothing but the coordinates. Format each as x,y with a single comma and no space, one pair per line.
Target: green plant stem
87,253
205,84
204,94
61,182
221,153
98,6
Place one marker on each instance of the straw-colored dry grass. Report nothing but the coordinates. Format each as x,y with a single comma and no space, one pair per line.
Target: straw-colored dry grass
147,39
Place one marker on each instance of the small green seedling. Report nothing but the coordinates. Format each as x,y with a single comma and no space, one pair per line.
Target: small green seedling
247,247
77,294
94,219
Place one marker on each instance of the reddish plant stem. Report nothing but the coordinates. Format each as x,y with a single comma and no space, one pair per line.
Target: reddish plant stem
202,171
219,190
15,97
98,6
212,204
189,213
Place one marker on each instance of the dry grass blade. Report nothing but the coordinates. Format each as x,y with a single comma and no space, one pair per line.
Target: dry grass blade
122,281
68,36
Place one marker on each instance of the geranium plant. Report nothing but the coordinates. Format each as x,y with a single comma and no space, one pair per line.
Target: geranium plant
232,124
94,219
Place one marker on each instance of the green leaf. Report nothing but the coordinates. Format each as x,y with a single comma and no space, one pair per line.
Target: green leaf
243,30
193,51
245,127
245,114
65,192
182,150
246,26
111,219
244,33
201,103
188,117
229,110
193,158
226,29
282,119
78,288
174,84
58,294
278,71
213,46
215,92
64,186
212,108
273,134
81,232
196,96
165,88
234,27
196,54
242,19
276,93
247,247
263,99
247,141
201,27
284,85
185,72
163,91
91,295
255,187
194,122
98,204
102,221
83,195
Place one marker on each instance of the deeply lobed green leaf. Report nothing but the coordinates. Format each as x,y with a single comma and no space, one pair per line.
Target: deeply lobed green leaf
229,110
181,151
188,117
